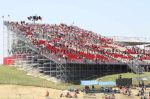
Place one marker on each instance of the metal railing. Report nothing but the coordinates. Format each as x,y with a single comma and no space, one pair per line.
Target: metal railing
60,68
135,66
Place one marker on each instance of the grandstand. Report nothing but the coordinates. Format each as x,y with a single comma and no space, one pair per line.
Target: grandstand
70,53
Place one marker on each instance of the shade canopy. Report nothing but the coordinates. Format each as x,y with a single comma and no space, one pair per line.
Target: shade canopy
95,82
89,82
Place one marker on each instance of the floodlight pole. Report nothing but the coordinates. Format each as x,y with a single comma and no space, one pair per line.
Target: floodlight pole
8,40
3,37
34,18
34,21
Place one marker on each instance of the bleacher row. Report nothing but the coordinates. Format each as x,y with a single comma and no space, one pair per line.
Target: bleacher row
74,44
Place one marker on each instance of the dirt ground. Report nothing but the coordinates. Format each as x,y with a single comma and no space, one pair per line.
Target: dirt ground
30,92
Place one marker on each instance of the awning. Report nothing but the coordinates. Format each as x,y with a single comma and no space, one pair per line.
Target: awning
89,82
108,83
95,82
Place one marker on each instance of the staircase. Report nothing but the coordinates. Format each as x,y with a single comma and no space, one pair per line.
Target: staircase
135,66
61,70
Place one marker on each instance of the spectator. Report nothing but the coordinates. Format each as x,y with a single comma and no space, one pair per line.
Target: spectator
47,95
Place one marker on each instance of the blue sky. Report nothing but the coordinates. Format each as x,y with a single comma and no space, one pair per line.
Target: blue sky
106,17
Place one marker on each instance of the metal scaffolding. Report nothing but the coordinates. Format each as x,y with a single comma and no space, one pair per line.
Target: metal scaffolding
32,58
28,57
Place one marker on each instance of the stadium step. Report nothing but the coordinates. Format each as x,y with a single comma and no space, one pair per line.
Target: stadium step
135,66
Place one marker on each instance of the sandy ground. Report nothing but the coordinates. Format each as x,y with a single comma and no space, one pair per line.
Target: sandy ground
30,92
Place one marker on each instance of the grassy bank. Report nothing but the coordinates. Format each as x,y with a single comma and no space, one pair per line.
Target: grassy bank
11,75
126,75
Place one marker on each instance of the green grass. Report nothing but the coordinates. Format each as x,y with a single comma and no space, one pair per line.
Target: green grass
125,75
10,75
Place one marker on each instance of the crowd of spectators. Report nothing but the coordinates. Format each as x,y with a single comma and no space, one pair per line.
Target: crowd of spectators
71,43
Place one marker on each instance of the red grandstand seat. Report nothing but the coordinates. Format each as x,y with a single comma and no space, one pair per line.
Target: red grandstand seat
41,42
71,56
